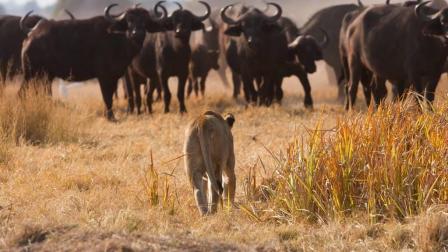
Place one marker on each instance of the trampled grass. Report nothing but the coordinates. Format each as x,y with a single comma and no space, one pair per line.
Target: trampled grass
322,180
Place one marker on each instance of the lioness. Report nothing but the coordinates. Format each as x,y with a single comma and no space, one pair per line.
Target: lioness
209,151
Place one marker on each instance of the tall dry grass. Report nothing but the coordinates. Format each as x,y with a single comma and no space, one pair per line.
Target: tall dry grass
37,119
391,164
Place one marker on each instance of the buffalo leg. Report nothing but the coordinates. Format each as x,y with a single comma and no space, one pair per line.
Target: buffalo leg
259,82
202,84
278,90
379,90
366,80
400,90
152,85
418,84
267,89
189,87
196,87
236,84
138,95
341,85
48,85
166,92
352,88
3,76
159,92
108,87
181,93
303,77
222,72
129,92
249,91
431,89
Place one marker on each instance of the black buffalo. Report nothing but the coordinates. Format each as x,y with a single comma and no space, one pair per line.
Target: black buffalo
203,59
11,39
372,84
330,20
101,47
173,52
409,49
260,49
304,51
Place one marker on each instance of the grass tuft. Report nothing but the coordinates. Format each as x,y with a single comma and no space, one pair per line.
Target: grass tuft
37,119
390,163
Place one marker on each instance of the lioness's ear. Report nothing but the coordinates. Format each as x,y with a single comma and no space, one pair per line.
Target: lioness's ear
230,119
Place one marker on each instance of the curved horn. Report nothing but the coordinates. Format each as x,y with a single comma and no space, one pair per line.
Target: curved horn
325,40
164,13
360,4
418,12
137,5
207,13
23,26
277,15
226,19
179,5
266,8
72,17
107,13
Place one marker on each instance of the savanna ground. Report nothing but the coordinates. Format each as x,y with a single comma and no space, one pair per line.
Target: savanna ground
321,180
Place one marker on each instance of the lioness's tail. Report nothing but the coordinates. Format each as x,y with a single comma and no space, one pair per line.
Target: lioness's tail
204,142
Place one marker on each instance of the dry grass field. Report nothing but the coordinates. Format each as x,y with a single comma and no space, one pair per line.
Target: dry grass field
321,180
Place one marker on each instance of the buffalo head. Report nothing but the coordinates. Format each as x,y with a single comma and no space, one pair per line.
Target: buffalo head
308,50
436,24
135,22
183,22
254,25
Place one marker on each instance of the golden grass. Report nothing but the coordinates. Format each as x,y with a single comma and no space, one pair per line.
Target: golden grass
86,184
391,163
37,119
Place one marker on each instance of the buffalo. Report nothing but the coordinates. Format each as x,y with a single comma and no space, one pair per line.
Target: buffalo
173,52
304,51
11,39
261,51
213,38
370,83
330,20
101,47
416,41
203,59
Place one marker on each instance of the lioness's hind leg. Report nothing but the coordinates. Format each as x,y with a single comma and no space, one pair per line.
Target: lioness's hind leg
199,195
229,181
213,199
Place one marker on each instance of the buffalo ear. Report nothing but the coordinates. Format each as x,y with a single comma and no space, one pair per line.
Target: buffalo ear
119,26
234,31
433,28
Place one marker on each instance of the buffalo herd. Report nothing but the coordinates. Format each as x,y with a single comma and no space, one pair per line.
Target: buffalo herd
403,43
